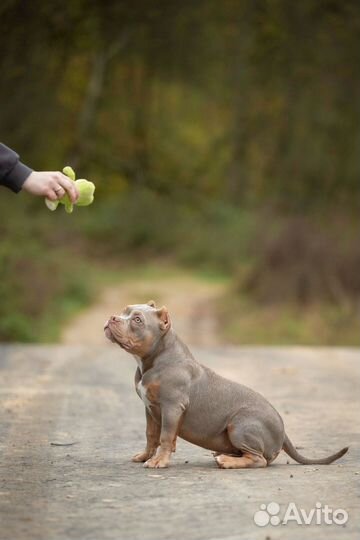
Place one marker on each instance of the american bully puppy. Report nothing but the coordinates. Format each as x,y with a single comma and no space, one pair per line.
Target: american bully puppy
184,399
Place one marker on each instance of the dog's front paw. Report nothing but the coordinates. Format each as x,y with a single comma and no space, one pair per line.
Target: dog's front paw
157,462
141,457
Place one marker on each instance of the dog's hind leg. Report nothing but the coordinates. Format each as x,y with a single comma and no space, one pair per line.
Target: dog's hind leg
247,437
246,461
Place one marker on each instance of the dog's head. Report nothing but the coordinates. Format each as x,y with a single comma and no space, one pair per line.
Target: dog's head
138,328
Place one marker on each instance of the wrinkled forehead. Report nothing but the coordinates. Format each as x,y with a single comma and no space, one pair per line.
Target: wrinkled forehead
132,309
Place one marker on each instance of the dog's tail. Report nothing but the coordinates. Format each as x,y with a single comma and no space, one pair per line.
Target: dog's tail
292,452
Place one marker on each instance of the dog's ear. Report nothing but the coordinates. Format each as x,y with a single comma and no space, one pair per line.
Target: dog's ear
151,303
165,321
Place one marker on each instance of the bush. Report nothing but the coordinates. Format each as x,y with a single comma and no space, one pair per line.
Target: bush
38,274
195,233
306,261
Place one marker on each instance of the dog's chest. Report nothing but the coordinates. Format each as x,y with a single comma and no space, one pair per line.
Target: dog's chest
142,391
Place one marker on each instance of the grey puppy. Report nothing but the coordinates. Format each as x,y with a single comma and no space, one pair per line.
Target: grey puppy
183,398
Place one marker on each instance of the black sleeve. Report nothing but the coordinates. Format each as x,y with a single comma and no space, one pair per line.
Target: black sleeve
13,173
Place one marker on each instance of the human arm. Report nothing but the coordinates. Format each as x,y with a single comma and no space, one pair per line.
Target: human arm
13,172
16,176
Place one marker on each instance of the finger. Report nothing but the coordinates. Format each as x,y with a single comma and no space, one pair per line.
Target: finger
50,194
69,187
60,192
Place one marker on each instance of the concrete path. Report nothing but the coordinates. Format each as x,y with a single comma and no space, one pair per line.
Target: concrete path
83,397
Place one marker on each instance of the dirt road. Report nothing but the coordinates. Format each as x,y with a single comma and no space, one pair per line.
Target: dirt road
191,301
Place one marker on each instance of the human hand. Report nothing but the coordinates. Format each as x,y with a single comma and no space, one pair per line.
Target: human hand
51,184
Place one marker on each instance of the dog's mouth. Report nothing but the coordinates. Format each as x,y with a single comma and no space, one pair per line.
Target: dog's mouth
108,333
114,338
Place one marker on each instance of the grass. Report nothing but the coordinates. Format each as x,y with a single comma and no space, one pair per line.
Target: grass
245,322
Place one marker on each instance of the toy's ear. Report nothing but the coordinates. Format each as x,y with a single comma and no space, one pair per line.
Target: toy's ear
165,321
151,303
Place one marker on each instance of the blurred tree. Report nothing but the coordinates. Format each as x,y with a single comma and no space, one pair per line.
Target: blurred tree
192,118
93,82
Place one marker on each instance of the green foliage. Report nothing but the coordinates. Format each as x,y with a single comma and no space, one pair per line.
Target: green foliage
192,119
216,236
40,283
258,104
144,223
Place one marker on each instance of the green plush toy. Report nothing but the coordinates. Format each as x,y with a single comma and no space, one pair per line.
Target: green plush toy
86,193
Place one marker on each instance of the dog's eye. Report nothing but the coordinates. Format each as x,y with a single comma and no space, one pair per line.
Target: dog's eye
137,320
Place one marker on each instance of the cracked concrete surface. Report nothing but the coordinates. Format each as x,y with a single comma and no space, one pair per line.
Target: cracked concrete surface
83,398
